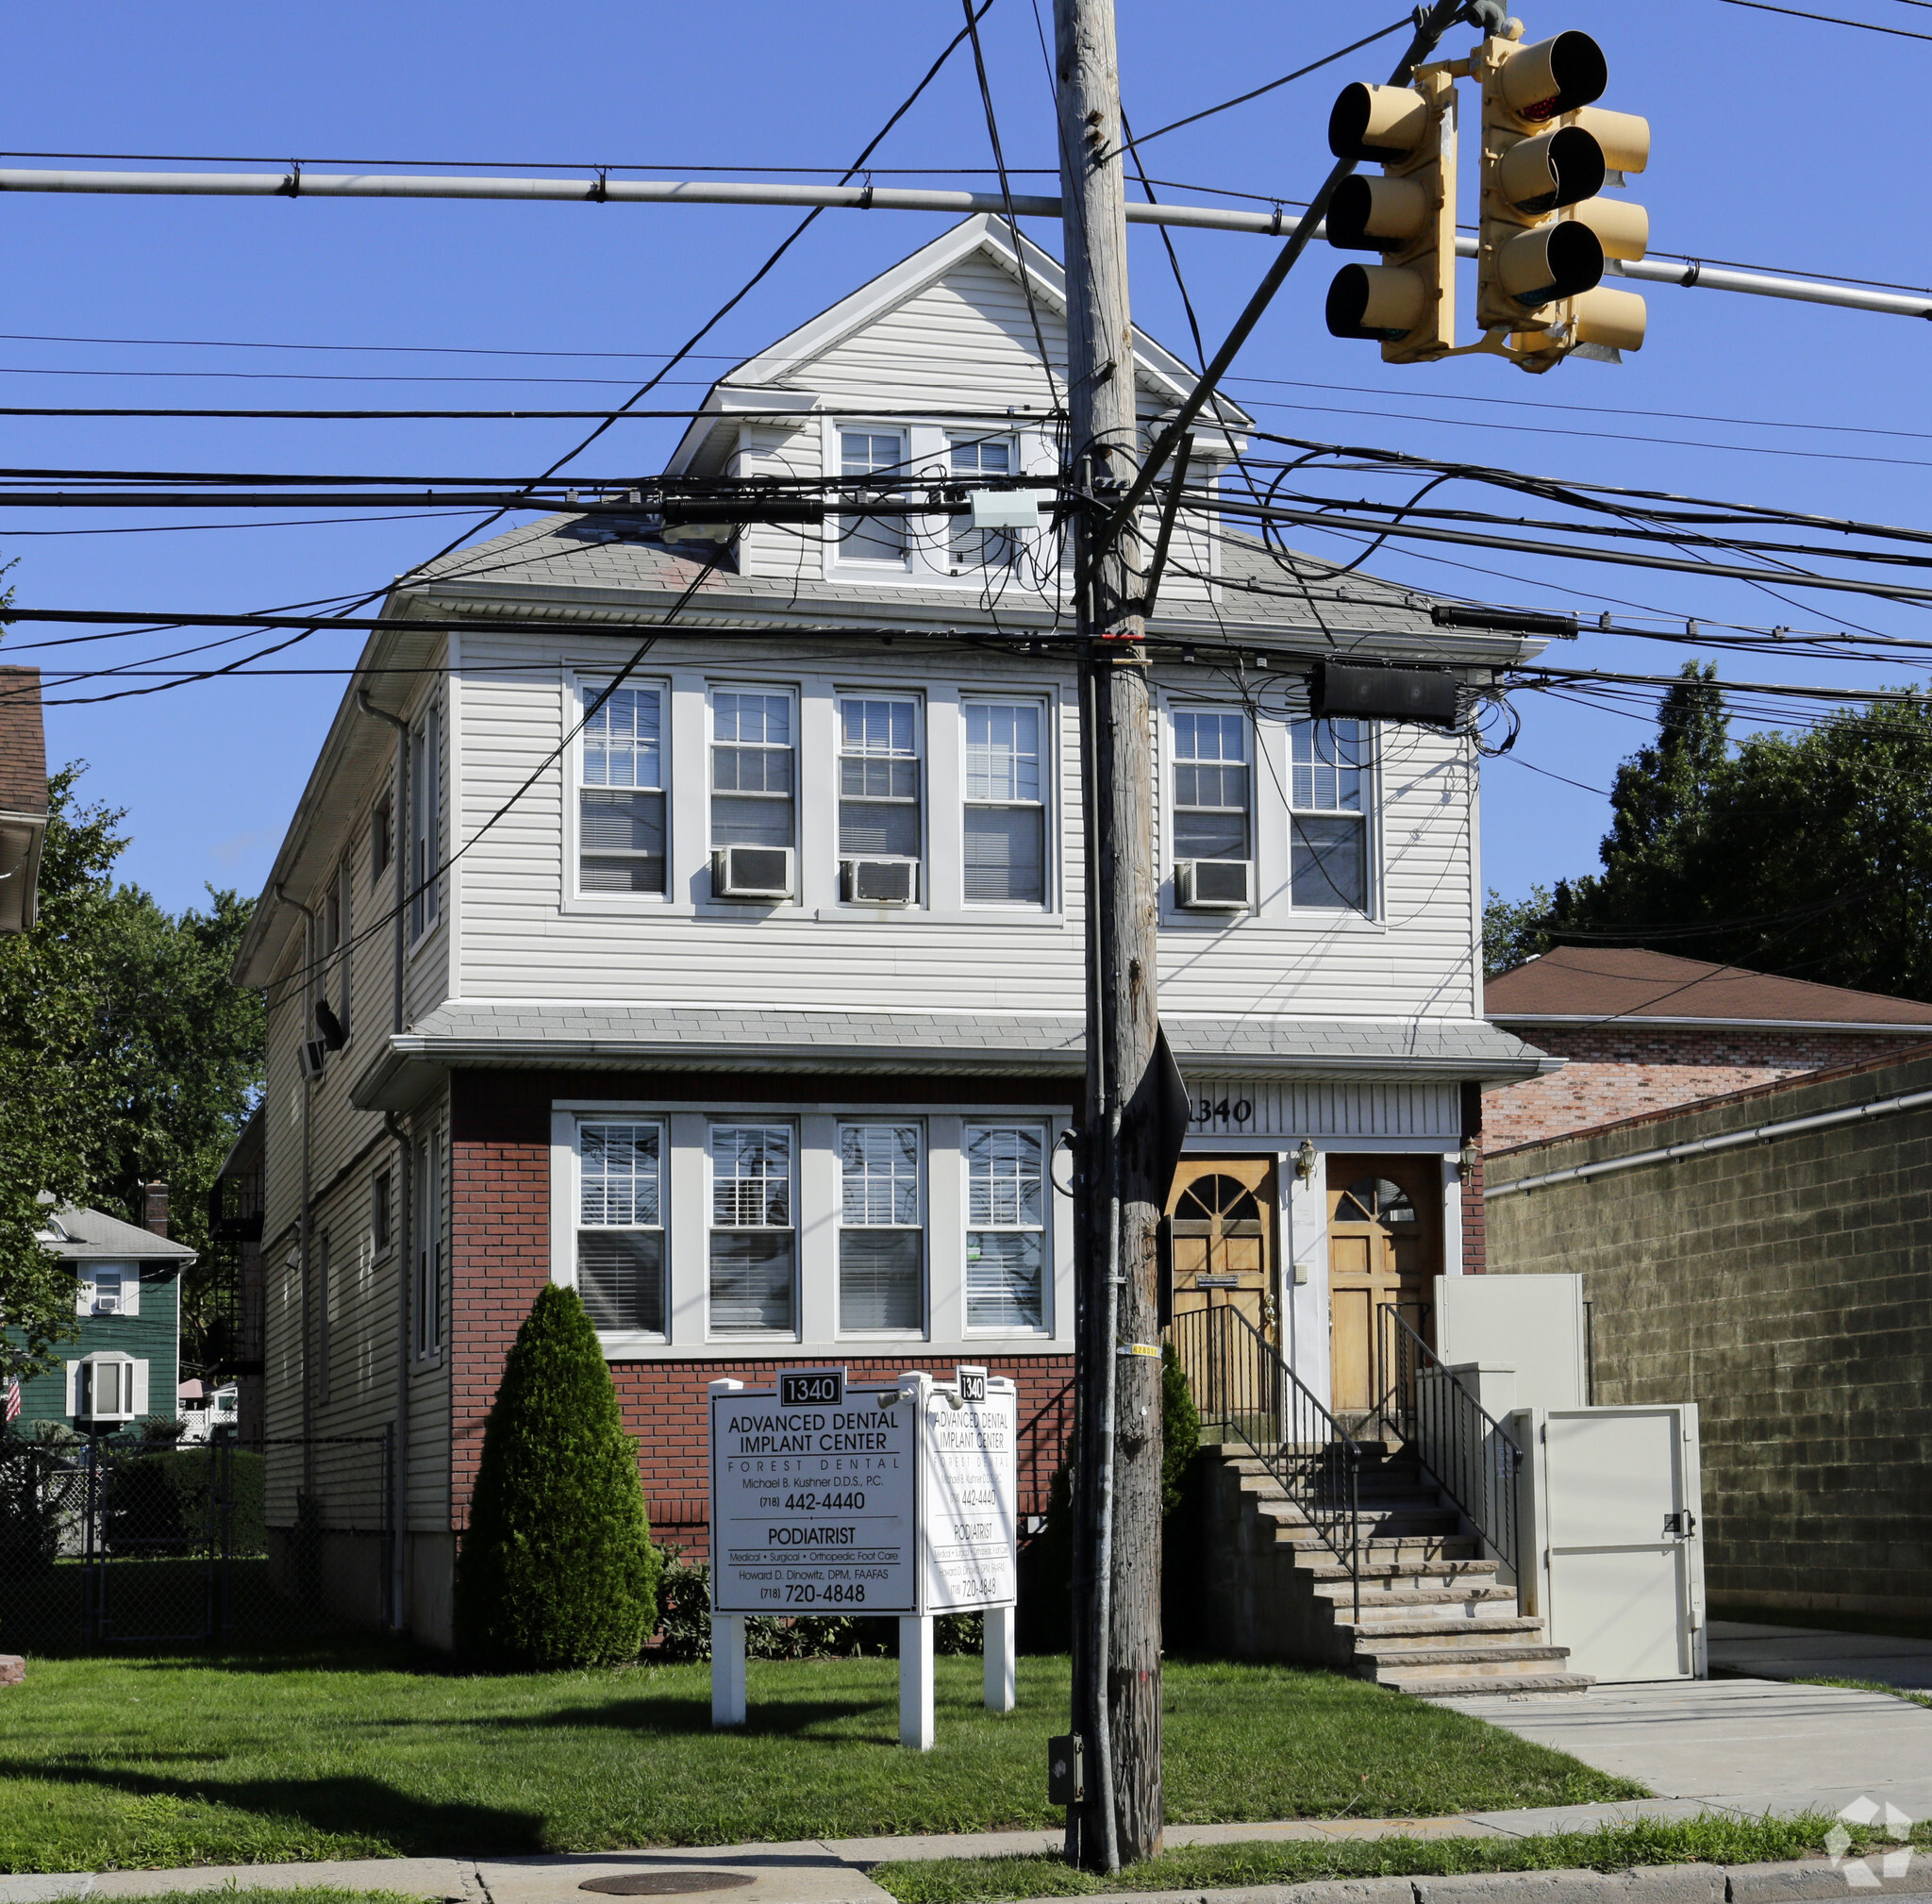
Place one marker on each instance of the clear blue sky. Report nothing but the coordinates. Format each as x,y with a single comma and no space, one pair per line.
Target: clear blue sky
1778,142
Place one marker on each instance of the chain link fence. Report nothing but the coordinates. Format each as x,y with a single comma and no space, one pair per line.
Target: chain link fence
119,1541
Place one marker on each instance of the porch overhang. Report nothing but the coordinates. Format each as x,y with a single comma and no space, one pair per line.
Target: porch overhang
516,1035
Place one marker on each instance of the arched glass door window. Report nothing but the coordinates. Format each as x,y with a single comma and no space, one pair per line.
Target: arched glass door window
1374,1199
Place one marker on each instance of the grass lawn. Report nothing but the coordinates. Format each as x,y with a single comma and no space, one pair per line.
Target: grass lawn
1709,1840
152,1762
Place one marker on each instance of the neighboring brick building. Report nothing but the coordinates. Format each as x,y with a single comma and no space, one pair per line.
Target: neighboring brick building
1642,1031
22,795
1765,1255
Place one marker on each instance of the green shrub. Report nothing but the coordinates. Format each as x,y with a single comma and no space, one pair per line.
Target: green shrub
1180,1430
557,1568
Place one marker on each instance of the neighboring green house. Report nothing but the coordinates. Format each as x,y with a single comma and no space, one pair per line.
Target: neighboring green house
125,1364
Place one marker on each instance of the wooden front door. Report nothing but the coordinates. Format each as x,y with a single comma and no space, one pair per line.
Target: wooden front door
1222,1211
1384,1246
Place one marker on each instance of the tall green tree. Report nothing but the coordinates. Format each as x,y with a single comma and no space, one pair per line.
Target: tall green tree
1806,853
126,1054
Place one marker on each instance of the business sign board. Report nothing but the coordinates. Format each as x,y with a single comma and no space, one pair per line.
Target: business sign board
829,1496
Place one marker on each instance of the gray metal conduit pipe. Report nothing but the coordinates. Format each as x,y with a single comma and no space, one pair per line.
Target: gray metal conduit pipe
1757,1133
405,1188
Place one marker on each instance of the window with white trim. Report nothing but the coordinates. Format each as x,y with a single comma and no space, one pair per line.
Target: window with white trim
107,1387
1211,787
871,538
754,1242
753,768
878,778
1004,803
621,800
426,821
620,1225
1327,814
970,548
1006,1227
881,1228
108,1288
427,1294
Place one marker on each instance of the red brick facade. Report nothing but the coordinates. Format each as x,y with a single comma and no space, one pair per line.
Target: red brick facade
500,1259
1630,1067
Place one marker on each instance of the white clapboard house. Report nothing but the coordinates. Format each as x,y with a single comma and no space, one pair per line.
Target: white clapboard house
752,1007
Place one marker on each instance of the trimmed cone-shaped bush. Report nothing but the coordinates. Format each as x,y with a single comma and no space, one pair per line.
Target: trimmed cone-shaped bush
557,1568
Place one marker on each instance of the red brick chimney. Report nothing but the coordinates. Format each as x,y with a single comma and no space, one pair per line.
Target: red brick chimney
154,1207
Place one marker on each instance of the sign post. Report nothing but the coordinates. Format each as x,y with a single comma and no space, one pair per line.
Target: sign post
891,1498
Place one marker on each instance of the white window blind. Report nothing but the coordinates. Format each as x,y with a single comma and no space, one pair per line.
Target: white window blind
871,538
1326,817
1005,812
754,1244
621,803
620,1225
1006,1227
881,1232
974,548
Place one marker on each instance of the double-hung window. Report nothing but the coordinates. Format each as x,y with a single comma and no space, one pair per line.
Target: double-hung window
1211,787
879,780
881,1228
1327,820
335,937
621,803
754,1230
425,827
974,457
1006,1227
1006,806
620,1225
753,768
872,539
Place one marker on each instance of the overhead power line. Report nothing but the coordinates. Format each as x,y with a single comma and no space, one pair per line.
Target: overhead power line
1828,19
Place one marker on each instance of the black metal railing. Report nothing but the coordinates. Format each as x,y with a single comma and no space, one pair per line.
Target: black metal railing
1246,1393
1463,1448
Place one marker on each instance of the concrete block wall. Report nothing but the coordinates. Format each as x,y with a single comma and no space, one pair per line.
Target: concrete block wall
1627,1068
1783,1286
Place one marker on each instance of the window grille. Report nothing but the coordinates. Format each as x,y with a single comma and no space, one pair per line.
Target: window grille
621,802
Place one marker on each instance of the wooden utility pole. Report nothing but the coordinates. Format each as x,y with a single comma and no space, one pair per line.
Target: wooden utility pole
1116,1466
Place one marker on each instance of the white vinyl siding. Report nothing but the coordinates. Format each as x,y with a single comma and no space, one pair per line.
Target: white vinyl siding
881,1229
621,822
1005,813
1328,814
620,1242
1006,1227
754,1245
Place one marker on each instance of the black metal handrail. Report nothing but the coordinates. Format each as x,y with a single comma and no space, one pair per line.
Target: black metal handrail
1465,1450
1243,1387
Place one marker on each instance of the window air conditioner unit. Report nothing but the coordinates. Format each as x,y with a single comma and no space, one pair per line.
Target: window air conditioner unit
314,1057
1212,885
107,1302
881,882
751,872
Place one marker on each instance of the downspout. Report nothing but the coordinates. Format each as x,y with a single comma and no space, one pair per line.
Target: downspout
405,1196
303,1224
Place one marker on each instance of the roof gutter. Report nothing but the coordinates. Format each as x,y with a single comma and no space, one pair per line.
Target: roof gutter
1756,1133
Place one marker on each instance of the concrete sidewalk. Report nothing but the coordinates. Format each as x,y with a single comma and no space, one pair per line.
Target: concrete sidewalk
1741,1746
1767,1652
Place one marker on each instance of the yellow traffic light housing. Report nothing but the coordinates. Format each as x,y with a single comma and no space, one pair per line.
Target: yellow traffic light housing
1546,231
1407,302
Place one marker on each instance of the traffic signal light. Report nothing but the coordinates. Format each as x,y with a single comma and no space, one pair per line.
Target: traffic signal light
1547,153
1407,302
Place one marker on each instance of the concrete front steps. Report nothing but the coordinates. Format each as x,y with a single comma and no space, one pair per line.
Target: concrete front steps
1434,1621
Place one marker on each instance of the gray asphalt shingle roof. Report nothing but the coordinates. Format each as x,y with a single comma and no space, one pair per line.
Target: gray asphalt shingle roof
84,1235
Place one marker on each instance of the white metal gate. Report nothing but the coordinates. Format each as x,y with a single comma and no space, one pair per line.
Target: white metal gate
1613,1518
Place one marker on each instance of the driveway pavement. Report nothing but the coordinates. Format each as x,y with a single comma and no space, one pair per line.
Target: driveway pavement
1745,1745
1804,1652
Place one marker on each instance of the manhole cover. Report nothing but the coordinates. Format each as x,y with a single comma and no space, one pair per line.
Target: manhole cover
664,1883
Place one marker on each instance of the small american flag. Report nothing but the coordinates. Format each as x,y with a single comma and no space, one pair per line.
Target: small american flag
12,1397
